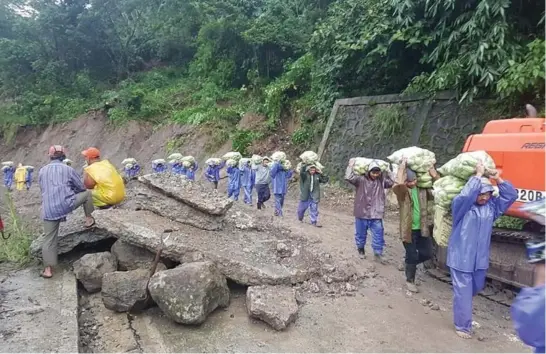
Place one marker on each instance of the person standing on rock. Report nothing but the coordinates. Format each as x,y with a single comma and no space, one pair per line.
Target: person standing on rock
234,182
248,179
102,178
62,192
212,173
20,177
369,206
474,211
310,179
263,179
415,220
280,177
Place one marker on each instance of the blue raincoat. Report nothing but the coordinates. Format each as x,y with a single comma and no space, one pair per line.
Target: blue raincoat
132,172
190,172
528,316
8,176
279,179
212,173
469,242
234,182
178,169
28,178
248,179
159,168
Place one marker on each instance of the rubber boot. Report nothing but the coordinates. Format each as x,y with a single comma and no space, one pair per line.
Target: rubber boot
411,270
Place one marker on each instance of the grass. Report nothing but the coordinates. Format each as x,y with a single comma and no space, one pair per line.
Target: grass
16,249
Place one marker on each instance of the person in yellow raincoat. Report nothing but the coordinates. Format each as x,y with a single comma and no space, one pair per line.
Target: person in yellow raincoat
20,177
103,179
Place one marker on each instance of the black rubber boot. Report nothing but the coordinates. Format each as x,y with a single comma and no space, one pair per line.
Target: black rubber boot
411,270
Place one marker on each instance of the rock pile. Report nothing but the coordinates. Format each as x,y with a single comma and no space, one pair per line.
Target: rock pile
210,241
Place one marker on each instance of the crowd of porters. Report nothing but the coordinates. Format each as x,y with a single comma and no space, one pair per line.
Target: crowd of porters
474,211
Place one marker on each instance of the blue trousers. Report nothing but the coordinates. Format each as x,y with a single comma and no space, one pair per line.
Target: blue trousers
376,226
279,203
248,194
233,193
313,210
465,286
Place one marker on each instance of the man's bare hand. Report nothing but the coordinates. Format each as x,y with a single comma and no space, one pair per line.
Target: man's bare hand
433,173
480,169
352,162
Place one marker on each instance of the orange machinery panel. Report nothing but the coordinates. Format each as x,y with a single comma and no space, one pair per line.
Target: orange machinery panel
517,146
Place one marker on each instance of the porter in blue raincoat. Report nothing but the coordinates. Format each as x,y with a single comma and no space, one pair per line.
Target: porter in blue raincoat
474,211
178,169
234,182
159,166
248,178
212,173
190,171
528,308
279,179
28,177
9,172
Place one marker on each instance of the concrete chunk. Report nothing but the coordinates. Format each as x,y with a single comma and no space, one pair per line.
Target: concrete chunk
193,194
275,305
91,267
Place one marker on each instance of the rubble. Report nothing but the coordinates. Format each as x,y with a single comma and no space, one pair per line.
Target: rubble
259,265
193,194
132,257
121,290
275,305
72,233
189,293
153,200
91,267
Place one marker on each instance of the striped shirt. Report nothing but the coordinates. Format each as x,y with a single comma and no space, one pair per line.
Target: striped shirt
59,184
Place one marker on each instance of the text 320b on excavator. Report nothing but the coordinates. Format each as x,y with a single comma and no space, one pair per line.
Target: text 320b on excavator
517,147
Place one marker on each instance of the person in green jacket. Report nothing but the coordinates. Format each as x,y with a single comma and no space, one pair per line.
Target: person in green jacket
310,179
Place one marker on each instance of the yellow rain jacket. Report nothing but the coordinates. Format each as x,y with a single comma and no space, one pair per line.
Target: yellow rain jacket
20,177
110,189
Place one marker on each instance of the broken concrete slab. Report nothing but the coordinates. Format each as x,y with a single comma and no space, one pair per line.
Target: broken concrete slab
150,199
246,257
121,290
72,233
191,193
275,305
132,257
91,267
188,293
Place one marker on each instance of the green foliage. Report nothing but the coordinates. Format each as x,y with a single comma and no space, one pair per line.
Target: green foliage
16,248
389,121
242,139
302,136
508,222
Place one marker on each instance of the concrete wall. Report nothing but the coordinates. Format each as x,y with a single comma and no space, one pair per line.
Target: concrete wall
439,124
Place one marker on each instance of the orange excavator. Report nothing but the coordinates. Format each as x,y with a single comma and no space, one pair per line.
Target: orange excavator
517,147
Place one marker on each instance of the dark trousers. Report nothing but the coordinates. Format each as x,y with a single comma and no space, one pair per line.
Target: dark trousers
418,251
215,184
263,194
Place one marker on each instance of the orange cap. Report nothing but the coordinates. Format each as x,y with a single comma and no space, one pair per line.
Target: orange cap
91,153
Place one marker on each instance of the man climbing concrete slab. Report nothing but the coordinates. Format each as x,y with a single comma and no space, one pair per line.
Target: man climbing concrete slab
62,192
103,179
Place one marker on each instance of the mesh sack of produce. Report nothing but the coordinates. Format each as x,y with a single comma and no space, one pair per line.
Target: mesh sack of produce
231,162
4,168
362,165
176,156
7,163
286,165
424,180
419,160
445,189
309,157
187,164
443,224
256,159
129,165
278,156
67,162
28,167
213,161
129,160
232,155
464,165
159,161
244,161
189,158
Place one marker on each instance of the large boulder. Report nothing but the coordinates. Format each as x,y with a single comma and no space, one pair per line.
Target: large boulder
72,233
131,257
91,267
189,293
275,305
121,290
